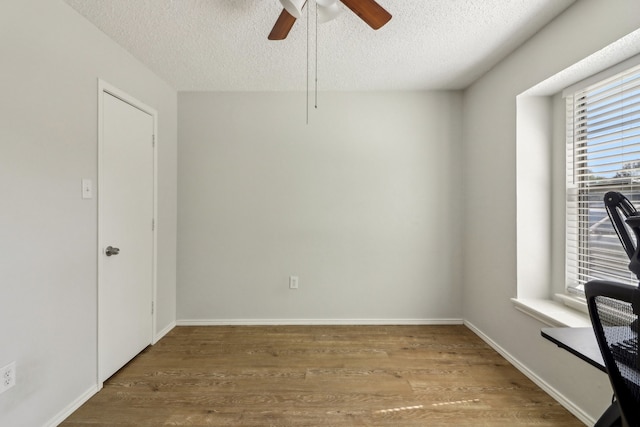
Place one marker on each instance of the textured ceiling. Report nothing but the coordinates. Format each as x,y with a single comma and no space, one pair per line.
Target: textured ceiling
221,45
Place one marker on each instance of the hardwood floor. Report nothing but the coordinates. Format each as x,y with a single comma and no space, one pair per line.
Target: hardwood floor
320,376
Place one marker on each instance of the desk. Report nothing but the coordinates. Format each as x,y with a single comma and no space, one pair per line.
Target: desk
580,342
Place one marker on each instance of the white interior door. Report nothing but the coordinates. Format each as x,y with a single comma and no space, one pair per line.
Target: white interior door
126,205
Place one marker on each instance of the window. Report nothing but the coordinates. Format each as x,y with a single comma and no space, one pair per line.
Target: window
603,154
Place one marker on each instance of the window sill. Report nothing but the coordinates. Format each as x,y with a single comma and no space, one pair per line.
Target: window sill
552,313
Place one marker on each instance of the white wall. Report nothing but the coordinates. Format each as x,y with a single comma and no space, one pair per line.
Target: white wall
363,204
51,60
489,149
533,186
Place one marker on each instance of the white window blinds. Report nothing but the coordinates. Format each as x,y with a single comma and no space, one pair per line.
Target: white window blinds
603,154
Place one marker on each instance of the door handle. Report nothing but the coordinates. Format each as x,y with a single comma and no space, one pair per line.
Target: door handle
111,251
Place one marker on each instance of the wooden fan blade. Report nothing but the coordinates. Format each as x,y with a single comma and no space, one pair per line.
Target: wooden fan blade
369,11
282,26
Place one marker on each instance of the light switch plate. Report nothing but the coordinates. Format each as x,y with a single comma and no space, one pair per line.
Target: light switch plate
293,282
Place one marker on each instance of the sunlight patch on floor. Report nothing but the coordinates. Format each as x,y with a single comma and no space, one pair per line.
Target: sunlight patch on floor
402,408
456,402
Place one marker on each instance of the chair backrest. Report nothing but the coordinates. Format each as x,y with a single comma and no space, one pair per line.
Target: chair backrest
615,309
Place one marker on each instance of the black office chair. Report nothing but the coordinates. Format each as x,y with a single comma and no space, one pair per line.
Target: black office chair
615,309
621,211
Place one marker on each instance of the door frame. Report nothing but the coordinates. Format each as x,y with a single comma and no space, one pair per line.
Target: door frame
104,87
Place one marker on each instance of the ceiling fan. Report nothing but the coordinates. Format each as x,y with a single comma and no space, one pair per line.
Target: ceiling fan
368,10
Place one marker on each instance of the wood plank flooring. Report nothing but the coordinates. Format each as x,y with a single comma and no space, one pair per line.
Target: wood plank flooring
320,376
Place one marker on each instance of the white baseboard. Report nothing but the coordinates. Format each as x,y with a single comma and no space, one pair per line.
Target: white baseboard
304,322
72,407
559,397
164,332
64,414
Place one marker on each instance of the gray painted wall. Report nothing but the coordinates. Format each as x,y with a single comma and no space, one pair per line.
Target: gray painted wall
51,61
489,149
363,204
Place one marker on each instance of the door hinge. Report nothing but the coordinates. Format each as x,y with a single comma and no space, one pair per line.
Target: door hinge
152,307
153,141
153,224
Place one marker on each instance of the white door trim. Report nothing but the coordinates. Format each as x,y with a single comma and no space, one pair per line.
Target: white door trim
104,87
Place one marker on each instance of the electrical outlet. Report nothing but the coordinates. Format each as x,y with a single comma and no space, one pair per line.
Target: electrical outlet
87,189
293,282
7,377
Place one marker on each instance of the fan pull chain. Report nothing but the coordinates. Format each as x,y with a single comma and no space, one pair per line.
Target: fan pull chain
308,65
316,73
